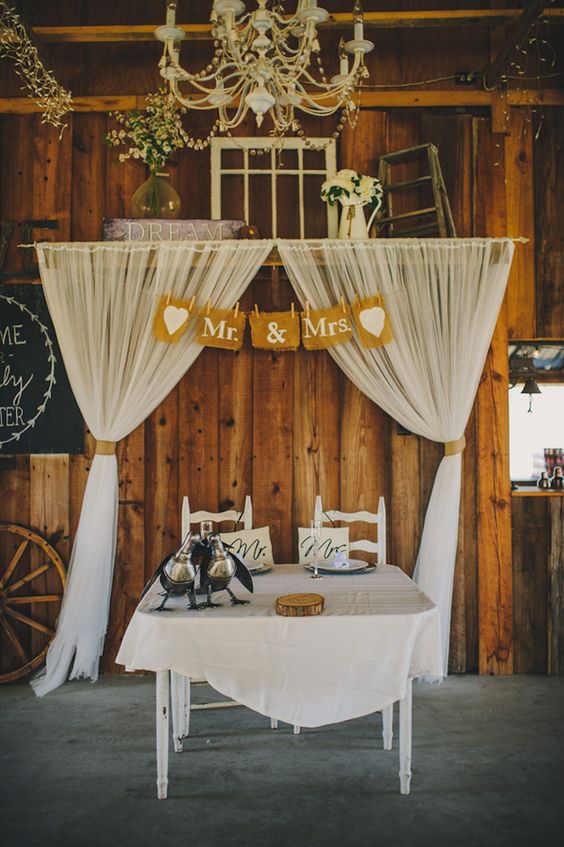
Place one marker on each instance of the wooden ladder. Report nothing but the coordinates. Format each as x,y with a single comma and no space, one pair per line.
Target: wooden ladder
434,219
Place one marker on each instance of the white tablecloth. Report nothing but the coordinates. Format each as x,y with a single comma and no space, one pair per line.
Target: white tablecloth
377,630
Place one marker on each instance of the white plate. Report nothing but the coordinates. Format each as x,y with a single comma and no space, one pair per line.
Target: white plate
256,571
354,566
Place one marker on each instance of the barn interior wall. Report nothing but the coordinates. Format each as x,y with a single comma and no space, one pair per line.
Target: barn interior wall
284,427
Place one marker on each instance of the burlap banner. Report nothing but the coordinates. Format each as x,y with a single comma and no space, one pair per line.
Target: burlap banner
224,328
372,321
320,328
171,318
275,330
326,327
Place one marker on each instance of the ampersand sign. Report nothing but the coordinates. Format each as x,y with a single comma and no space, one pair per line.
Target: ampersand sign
275,330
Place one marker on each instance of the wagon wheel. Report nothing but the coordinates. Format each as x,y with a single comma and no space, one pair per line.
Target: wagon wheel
28,563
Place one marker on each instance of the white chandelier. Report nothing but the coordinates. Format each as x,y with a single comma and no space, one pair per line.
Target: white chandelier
263,62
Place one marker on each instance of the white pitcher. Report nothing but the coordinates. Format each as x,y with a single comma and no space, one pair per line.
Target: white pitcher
353,221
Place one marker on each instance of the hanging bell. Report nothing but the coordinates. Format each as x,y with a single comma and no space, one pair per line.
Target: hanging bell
531,387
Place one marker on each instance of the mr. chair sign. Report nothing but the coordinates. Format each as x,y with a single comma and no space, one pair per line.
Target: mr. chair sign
38,413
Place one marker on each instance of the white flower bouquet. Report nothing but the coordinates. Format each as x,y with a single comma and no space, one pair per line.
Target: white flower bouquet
352,189
152,135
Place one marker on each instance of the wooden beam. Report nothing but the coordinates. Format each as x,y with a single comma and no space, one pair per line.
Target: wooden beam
338,20
438,98
513,41
493,500
520,209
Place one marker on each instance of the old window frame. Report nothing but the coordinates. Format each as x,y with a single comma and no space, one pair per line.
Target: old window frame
218,145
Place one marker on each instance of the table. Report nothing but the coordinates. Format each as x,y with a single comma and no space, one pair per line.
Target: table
377,633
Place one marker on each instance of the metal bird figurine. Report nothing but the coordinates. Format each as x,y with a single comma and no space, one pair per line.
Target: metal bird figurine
177,572
218,568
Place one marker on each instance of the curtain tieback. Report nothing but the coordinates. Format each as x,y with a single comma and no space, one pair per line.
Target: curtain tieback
454,447
105,448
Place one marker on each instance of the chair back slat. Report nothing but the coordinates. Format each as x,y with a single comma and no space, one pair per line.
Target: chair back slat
245,517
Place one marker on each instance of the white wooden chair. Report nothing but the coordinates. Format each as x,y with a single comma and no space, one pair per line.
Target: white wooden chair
180,685
378,548
378,518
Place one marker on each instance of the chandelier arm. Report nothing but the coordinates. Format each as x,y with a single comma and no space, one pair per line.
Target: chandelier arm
202,104
353,72
324,90
294,56
238,117
322,96
285,115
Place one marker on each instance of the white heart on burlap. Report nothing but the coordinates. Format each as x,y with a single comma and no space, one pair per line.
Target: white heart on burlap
174,318
373,320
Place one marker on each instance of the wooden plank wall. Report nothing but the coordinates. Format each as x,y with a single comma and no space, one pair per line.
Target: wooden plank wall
284,427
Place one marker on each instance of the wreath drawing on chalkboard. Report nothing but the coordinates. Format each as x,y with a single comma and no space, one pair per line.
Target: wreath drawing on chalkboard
49,379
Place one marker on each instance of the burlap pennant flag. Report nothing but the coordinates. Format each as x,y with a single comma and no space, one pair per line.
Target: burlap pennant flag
224,328
275,330
172,317
326,327
372,321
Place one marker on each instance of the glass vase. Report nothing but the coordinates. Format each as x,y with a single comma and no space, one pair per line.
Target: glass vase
156,198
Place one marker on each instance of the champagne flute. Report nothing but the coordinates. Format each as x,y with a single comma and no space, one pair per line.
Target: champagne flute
315,528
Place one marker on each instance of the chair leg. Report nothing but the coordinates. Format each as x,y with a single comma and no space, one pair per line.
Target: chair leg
297,729
405,740
273,723
388,726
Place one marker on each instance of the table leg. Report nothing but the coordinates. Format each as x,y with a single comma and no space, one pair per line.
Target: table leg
405,739
387,726
177,696
187,705
163,697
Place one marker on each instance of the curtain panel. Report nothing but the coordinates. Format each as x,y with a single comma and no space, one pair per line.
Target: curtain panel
102,299
443,298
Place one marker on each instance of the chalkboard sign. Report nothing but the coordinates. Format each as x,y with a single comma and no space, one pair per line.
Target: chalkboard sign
38,413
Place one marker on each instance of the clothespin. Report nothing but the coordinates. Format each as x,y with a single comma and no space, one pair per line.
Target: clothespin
168,296
236,310
343,305
192,301
256,310
292,309
209,306
307,308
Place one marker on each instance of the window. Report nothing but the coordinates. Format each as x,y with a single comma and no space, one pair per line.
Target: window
536,409
276,190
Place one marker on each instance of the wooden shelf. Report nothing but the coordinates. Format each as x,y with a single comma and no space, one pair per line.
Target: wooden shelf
537,492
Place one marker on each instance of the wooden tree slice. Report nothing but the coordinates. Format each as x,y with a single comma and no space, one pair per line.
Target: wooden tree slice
299,605
25,630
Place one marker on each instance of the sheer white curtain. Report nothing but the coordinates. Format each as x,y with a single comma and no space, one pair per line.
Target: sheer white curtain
102,299
443,297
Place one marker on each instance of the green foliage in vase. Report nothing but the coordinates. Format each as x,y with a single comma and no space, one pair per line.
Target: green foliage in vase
151,135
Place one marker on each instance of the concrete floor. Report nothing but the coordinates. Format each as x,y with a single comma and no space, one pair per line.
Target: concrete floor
78,768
